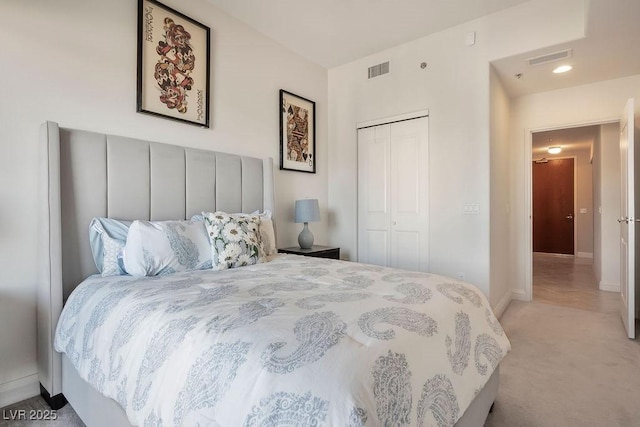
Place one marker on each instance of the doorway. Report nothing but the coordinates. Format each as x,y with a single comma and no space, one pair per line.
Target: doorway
563,219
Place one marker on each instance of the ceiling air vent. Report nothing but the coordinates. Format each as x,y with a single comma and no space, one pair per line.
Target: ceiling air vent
379,70
551,57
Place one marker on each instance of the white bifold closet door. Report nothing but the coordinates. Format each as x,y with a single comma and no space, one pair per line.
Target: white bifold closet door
393,171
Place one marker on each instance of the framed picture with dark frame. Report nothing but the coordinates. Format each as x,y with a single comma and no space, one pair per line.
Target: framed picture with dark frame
173,64
297,133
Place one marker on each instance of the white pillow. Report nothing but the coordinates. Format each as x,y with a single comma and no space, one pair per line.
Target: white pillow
235,239
267,232
164,247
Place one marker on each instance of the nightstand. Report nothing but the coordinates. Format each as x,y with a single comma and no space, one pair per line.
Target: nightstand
315,251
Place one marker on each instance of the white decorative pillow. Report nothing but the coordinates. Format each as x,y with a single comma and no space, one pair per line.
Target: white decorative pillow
165,247
107,237
268,236
235,239
267,232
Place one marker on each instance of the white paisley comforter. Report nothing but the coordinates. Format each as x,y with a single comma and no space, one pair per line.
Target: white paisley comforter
296,341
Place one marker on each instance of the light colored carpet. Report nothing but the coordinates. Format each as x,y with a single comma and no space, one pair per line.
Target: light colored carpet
567,367
65,416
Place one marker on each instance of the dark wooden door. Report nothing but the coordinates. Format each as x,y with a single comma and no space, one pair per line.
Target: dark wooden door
553,214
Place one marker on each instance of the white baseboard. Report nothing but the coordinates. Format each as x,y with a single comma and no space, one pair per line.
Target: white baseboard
20,389
519,296
502,305
548,254
609,287
584,255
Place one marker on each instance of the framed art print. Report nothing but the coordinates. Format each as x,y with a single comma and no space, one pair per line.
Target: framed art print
297,133
173,64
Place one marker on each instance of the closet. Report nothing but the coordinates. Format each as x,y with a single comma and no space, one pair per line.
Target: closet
393,171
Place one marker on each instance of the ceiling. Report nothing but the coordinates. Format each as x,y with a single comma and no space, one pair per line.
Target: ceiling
334,32
610,50
573,139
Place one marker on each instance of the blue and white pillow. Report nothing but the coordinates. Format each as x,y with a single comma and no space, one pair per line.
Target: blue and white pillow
164,247
235,239
107,237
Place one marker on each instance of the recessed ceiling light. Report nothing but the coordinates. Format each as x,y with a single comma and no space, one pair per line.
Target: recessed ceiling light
554,150
563,69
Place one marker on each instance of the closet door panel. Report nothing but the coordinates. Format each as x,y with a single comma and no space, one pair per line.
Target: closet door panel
407,250
377,249
409,194
373,195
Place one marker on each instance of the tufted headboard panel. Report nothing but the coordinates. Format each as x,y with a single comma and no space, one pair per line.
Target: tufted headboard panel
88,174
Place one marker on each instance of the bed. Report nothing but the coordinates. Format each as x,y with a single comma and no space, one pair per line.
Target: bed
293,341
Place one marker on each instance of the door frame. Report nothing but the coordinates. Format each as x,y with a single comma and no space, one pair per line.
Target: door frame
528,195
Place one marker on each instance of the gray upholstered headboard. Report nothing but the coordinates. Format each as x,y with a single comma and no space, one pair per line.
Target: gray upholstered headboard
87,174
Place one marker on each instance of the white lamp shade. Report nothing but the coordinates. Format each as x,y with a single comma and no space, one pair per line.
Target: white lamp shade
307,210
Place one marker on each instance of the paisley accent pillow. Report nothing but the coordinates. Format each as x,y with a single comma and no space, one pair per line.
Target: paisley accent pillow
235,239
164,247
107,237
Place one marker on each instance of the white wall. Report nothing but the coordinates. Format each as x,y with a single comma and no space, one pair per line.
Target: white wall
500,289
584,200
607,208
75,63
455,89
588,104
597,204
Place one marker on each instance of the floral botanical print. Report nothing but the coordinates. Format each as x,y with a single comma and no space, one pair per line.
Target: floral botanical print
295,341
235,239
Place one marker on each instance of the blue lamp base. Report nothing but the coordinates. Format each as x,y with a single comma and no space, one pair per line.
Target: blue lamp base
305,238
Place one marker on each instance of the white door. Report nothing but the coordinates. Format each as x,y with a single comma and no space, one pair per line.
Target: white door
409,183
374,213
627,220
392,194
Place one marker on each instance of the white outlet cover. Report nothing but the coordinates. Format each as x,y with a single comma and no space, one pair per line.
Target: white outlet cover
583,210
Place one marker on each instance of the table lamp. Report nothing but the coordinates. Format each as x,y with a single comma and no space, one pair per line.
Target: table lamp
307,211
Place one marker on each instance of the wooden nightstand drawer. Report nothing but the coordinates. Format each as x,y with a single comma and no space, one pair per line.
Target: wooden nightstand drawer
316,251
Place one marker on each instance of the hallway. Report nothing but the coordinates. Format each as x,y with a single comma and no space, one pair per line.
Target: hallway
570,282
570,363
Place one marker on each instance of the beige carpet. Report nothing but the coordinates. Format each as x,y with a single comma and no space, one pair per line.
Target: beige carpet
567,367
18,414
